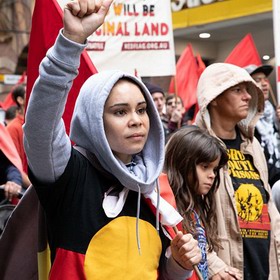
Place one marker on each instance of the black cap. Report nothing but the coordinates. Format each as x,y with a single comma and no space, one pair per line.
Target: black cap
154,88
253,69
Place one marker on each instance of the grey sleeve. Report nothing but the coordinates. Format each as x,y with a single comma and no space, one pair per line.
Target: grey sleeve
276,194
173,271
47,146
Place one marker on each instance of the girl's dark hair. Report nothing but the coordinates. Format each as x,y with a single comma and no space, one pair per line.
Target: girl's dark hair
187,148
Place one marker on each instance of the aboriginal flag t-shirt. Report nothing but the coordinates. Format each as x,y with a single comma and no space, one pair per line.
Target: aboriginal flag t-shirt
251,203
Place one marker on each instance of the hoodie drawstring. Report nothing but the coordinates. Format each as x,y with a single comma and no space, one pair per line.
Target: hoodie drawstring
137,219
157,211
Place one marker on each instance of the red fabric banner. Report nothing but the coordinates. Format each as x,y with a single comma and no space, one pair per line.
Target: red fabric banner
245,53
46,23
187,74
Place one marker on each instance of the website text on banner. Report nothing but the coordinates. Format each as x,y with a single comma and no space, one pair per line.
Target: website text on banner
135,35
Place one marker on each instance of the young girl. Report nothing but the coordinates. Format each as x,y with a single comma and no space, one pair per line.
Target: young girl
192,163
97,203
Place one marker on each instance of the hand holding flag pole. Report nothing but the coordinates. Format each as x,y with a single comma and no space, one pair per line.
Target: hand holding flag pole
194,266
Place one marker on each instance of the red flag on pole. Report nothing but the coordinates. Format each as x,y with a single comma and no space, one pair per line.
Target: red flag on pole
245,53
201,68
186,78
201,64
46,23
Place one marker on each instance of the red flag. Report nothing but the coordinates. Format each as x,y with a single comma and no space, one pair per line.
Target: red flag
245,53
185,82
201,68
8,102
201,64
46,23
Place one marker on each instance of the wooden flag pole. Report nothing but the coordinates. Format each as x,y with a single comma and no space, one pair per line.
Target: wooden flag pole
273,98
176,97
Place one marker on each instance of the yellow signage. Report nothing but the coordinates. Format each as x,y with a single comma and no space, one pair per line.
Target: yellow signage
187,13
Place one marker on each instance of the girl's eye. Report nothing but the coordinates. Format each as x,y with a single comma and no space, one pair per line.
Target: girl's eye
204,165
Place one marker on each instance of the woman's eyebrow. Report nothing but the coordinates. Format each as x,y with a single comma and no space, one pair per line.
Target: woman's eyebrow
126,104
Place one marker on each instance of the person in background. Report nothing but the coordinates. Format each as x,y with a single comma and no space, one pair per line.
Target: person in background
193,159
10,168
113,197
15,128
158,96
230,104
175,114
267,127
11,113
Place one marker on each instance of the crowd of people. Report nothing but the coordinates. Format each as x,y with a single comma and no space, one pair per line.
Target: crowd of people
141,187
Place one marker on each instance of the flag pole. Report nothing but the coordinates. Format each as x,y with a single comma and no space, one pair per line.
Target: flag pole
273,98
276,31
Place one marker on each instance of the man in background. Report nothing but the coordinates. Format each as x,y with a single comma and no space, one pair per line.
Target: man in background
267,128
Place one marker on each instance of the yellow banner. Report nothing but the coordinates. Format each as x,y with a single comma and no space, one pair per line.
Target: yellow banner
209,11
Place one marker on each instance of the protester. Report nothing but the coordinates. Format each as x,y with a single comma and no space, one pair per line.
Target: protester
15,127
10,168
267,128
158,96
100,212
11,113
230,104
175,114
192,163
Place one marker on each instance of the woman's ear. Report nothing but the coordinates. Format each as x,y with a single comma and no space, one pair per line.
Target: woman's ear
20,100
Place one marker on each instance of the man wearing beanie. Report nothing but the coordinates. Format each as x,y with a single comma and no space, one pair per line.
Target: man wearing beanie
267,128
158,96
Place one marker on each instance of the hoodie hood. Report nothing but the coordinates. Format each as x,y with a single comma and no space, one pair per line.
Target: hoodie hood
219,77
87,131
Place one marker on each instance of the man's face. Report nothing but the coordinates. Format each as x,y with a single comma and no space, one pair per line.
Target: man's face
159,101
263,83
174,104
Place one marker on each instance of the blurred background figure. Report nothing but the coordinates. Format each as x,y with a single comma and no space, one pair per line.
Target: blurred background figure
11,113
176,116
159,98
10,168
267,128
15,127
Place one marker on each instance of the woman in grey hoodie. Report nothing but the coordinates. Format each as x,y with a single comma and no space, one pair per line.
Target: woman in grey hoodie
99,198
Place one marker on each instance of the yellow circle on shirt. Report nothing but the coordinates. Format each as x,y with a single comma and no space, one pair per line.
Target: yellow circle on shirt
249,202
113,252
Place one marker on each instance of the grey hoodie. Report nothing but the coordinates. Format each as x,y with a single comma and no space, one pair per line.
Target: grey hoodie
87,131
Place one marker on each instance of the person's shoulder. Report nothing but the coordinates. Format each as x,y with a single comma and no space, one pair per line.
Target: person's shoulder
16,123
